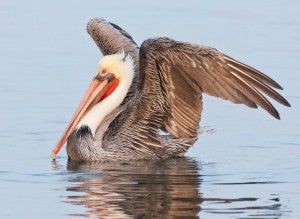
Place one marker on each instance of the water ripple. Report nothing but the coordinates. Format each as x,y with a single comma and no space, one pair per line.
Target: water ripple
167,189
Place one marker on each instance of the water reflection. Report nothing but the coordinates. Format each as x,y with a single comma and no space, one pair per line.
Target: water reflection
164,189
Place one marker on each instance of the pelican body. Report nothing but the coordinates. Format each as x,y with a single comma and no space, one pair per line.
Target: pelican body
139,92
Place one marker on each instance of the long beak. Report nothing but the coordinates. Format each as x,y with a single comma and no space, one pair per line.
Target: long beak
92,96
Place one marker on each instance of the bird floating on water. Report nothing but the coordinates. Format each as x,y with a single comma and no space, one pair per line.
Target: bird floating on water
139,92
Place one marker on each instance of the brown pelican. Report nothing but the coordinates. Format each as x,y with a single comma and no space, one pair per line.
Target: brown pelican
139,92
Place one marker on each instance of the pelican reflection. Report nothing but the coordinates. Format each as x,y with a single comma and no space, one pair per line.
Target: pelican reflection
163,189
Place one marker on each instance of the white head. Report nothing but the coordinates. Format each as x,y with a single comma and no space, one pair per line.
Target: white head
105,93
120,64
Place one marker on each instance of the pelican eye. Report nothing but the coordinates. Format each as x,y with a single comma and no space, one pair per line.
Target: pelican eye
104,71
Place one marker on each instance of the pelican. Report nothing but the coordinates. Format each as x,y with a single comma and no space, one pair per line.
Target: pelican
139,93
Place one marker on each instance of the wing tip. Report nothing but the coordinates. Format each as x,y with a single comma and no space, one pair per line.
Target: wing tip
91,23
277,116
276,85
275,113
258,73
286,103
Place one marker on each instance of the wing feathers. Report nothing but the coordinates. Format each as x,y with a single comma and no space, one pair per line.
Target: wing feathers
256,96
111,39
261,86
253,72
195,66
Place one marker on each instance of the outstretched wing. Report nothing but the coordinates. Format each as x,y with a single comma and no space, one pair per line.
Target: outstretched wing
111,39
174,74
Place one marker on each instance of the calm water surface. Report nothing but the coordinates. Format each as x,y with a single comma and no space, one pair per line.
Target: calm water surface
249,168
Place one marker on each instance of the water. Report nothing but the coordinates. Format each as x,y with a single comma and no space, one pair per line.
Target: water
249,168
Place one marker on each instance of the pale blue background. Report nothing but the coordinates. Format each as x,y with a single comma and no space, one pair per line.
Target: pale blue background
47,60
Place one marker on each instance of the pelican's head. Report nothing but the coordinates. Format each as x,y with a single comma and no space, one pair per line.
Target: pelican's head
119,65
111,83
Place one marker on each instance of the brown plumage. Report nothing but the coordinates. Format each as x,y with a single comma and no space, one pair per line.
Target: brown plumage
166,94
